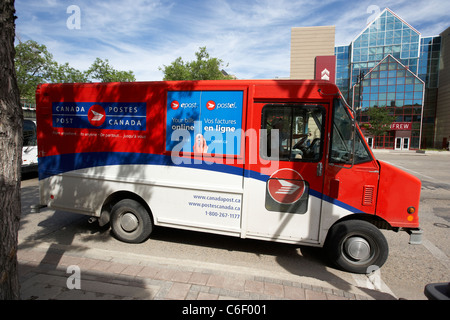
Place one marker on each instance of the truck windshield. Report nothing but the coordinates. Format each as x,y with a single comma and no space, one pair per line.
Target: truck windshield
341,140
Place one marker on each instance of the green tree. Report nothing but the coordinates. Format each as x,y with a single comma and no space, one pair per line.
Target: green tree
379,121
102,71
34,65
64,73
177,70
203,68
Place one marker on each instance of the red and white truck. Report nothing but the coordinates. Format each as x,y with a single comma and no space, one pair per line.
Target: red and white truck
276,160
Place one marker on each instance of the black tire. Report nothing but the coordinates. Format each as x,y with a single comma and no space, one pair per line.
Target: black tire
130,221
355,245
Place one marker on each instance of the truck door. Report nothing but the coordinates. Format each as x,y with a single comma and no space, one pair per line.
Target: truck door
351,174
284,182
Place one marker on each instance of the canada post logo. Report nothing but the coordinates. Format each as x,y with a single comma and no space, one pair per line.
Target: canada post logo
96,115
100,115
287,191
210,105
286,186
175,105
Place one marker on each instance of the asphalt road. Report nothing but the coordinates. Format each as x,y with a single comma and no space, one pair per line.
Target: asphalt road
408,269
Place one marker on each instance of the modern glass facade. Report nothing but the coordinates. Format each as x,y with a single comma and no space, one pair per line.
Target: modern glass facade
391,85
343,69
389,65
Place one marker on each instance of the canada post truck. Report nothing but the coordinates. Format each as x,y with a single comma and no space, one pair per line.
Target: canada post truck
276,160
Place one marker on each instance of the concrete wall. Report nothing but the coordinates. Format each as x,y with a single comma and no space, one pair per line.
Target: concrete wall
306,44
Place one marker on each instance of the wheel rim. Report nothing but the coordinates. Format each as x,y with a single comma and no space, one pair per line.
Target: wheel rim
129,222
357,249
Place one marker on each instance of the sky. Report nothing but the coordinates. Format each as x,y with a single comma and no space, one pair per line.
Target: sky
252,37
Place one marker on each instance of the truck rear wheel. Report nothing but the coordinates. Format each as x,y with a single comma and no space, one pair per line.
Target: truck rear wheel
355,245
130,221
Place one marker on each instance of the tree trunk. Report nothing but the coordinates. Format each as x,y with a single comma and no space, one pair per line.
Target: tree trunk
11,122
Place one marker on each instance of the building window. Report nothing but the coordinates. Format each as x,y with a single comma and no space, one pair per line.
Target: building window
386,35
397,89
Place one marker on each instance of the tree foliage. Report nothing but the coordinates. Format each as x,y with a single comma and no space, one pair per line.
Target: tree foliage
102,71
379,121
203,68
64,73
35,64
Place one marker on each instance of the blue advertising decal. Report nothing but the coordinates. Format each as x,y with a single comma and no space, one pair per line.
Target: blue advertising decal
204,121
100,115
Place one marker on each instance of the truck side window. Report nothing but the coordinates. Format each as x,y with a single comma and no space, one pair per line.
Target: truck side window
292,132
341,138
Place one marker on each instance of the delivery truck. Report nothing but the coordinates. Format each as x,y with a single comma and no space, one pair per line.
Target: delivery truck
275,160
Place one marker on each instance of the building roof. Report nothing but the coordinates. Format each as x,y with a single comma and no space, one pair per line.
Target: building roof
377,24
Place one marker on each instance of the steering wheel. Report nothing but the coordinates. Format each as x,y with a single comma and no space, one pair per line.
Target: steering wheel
309,149
298,145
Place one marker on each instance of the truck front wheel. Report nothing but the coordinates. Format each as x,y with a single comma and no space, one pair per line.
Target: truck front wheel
355,245
130,221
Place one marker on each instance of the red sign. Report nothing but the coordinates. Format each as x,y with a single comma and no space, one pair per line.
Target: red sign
401,126
326,68
286,186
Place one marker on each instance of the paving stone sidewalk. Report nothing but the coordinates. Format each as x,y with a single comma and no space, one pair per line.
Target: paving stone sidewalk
45,275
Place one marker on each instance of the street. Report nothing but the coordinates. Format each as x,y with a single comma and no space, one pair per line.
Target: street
408,269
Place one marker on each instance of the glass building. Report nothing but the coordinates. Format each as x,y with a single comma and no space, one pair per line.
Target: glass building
390,65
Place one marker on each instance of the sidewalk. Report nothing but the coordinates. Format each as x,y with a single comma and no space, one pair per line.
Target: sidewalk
44,275
418,152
